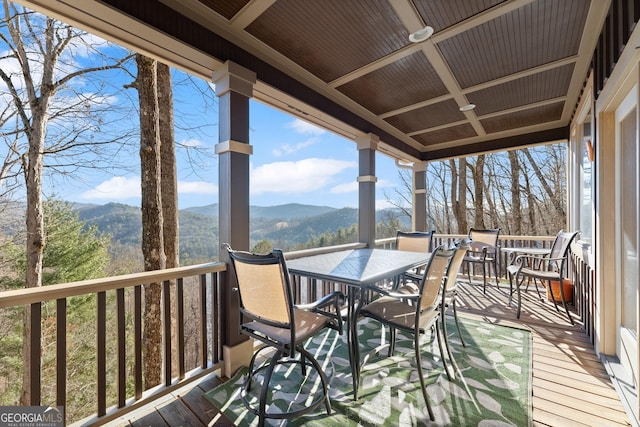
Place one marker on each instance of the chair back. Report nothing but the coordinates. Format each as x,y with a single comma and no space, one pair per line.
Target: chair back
481,238
263,285
460,250
434,274
562,243
414,241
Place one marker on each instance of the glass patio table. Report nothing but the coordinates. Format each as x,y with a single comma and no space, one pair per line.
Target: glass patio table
357,269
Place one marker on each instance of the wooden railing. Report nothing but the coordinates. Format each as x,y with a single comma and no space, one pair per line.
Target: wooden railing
581,269
126,294
505,241
583,274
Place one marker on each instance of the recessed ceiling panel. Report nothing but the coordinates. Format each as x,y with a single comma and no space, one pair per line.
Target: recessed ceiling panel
538,33
529,117
422,118
441,14
331,38
404,82
526,90
449,134
349,64
226,8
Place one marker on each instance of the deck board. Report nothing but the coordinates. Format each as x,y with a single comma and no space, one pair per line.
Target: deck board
570,384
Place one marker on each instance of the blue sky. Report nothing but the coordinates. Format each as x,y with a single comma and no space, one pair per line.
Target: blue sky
292,162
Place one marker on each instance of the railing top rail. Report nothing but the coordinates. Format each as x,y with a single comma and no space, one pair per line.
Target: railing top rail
24,296
529,238
502,237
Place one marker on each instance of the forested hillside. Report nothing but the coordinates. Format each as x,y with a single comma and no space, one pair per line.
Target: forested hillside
285,226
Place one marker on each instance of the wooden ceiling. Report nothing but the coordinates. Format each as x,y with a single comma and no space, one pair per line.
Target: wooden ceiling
350,66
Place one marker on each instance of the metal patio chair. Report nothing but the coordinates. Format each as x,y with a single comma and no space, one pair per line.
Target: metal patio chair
414,241
267,314
552,267
450,290
483,250
413,312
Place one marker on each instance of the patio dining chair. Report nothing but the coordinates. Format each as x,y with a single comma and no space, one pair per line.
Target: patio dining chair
483,250
413,312
450,289
414,241
267,314
548,268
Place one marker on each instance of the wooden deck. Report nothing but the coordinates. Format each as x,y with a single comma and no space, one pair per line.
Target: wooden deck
570,384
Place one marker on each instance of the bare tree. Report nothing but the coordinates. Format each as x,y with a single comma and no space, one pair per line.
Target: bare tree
169,191
516,206
152,218
520,191
51,116
159,199
477,176
459,193
552,194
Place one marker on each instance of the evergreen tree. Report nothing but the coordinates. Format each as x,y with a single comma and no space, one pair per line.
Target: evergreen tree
73,251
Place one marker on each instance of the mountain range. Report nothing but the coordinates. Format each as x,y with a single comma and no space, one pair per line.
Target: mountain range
288,224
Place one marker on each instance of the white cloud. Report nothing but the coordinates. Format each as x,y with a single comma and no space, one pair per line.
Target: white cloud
290,149
347,187
117,188
384,183
122,188
197,187
296,177
300,126
86,45
352,187
191,142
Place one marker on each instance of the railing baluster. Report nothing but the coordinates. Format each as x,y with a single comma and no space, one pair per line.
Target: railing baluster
166,290
61,352
36,351
180,322
216,313
122,345
203,321
137,346
101,357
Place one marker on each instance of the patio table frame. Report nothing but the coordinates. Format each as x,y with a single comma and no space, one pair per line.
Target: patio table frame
358,269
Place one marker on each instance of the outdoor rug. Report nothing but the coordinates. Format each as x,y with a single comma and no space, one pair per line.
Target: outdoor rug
493,388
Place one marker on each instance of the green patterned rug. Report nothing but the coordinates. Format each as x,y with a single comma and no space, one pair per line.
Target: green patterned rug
494,388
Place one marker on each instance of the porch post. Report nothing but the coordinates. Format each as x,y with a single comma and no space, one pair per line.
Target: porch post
367,145
419,193
234,88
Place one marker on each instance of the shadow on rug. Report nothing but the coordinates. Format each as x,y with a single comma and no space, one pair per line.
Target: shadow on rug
492,389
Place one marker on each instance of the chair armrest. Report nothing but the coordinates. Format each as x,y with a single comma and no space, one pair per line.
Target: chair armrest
483,250
335,298
528,257
326,300
400,295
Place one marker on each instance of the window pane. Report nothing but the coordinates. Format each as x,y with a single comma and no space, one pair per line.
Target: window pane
629,221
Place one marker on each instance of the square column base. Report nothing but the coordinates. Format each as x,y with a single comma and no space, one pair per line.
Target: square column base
235,357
